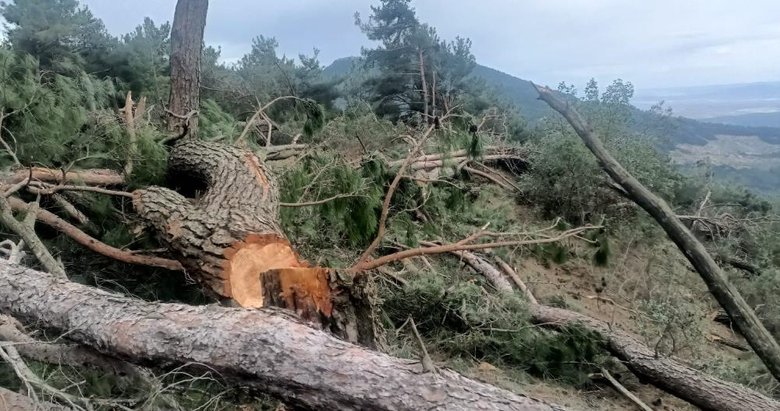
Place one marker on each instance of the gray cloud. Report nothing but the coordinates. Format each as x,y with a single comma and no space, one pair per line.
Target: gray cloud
654,44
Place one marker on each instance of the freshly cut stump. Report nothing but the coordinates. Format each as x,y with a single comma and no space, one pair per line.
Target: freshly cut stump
229,238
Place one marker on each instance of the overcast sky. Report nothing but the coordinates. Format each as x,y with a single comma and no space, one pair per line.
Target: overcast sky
655,43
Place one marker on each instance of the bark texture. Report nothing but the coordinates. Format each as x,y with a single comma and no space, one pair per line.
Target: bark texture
721,288
230,240
100,177
230,235
278,354
189,22
63,353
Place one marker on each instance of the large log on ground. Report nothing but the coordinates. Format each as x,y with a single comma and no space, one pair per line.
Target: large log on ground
263,348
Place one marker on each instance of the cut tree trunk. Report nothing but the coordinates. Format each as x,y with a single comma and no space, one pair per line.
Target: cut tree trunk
229,239
264,349
189,22
725,293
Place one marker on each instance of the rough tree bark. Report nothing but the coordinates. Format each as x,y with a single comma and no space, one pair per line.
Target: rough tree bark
230,240
721,288
189,22
265,349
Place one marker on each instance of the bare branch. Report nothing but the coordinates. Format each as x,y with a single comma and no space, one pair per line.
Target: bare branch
319,202
259,113
623,390
448,248
130,125
93,244
727,295
98,177
31,380
27,233
517,280
70,209
49,189
388,198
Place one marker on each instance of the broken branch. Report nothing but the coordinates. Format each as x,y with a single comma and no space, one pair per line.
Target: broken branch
743,316
93,244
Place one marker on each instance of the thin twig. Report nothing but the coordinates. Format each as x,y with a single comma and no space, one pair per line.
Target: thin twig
448,248
319,202
49,189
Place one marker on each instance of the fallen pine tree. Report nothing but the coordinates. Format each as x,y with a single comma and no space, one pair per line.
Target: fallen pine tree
265,349
664,372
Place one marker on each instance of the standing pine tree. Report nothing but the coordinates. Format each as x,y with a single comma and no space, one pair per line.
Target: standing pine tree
64,36
414,72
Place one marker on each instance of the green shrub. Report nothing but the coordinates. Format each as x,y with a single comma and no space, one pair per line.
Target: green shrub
459,319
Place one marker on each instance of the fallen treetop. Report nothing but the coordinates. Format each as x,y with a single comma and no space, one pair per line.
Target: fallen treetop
666,373
265,349
725,293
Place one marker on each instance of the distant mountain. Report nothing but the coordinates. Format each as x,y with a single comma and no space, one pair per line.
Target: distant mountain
749,119
744,154
516,90
340,67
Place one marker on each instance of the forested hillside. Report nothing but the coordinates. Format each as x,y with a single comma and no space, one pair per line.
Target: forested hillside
673,132
406,230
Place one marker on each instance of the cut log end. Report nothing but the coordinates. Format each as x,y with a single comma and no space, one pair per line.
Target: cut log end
303,290
247,261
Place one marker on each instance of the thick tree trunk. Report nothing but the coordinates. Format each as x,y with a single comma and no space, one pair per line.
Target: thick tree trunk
265,349
721,288
189,22
229,239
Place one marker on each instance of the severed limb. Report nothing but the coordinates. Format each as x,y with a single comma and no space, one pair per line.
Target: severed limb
25,229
